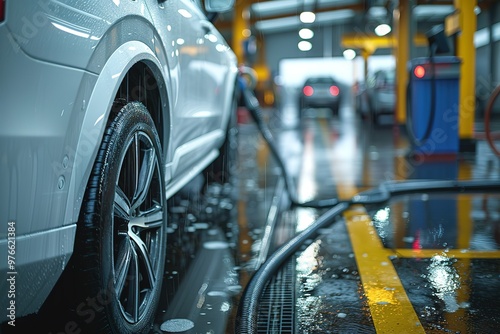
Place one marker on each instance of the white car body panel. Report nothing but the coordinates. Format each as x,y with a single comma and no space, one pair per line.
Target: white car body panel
62,65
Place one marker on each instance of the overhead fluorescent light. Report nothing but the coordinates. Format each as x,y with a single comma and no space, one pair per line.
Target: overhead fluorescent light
382,29
304,46
427,11
306,33
349,54
293,22
307,17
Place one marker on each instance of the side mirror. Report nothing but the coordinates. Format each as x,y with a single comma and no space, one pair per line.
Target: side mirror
218,6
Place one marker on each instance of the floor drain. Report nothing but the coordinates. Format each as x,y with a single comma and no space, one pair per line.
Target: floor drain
177,325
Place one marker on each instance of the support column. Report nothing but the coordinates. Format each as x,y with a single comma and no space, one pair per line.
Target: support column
365,54
467,53
403,38
240,23
493,53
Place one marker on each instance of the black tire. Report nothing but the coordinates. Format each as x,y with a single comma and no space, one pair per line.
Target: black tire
121,240
336,109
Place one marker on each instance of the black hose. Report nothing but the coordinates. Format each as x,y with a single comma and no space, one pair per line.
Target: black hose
246,319
419,142
247,315
487,121
252,104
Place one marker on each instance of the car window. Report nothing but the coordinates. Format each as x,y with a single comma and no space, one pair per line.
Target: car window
313,81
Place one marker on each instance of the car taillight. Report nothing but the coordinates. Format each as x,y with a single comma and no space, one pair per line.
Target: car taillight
2,10
308,91
334,90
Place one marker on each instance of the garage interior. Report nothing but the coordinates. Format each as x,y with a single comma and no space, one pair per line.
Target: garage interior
423,260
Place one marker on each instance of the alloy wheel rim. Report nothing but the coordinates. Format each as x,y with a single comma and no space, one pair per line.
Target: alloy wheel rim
138,215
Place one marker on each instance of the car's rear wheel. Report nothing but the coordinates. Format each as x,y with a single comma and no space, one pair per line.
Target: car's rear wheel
335,109
121,240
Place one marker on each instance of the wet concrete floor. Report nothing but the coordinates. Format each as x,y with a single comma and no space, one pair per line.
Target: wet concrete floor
420,263
423,263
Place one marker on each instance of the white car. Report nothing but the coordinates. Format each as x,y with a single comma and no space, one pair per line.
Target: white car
108,109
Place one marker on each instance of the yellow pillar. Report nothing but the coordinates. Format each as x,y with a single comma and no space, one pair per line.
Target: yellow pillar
365,54
467,52
402,30
240,24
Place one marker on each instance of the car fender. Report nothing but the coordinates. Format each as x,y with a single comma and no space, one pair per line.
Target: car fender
97,113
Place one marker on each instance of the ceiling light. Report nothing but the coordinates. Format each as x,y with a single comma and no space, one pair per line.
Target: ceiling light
349,54
305,33
382,29
307,17
305,46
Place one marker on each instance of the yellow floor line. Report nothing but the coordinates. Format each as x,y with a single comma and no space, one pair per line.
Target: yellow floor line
452,253
390,307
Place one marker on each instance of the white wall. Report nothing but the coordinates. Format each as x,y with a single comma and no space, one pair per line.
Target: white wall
293,72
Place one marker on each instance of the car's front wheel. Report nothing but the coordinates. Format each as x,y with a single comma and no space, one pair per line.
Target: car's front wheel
121,237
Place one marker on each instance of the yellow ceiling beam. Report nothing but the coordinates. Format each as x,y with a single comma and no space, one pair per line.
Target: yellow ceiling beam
371,43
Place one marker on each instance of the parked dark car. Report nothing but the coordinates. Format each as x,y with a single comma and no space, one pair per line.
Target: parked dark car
378,96
320,92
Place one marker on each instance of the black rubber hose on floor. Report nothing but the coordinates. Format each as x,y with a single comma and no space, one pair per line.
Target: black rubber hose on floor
246,319
247,316
252,104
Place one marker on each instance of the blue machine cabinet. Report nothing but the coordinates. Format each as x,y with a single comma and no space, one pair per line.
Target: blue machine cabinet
442,75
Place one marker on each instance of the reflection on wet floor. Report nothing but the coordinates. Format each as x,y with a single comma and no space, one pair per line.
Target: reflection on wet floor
423,222
217,238
419,263
201,275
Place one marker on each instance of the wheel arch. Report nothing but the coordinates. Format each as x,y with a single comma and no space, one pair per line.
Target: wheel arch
135,60
144,83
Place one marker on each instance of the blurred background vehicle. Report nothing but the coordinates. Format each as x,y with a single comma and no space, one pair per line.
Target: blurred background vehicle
320,92
377,96
358,89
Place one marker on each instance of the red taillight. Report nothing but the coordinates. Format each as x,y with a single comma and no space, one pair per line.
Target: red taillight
419,71
308,91
2,10
334,90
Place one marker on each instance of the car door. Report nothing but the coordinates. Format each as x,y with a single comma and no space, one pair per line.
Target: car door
214,74
179,26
